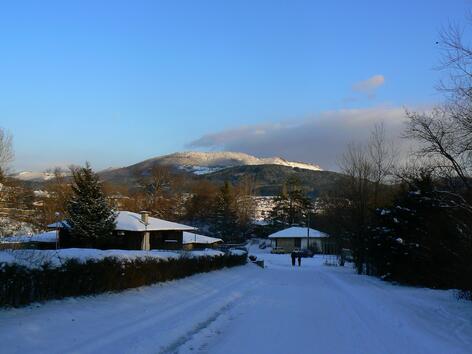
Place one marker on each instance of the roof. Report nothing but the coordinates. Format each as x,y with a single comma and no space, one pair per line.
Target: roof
298,232
129,221
49,236
190,237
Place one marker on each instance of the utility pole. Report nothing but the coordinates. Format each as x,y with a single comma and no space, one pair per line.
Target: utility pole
57,214
308,232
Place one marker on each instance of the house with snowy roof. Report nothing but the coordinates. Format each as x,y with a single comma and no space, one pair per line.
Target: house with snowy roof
134,231
299,237
192,240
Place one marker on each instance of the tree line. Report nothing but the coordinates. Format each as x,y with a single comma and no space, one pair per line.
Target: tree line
411,221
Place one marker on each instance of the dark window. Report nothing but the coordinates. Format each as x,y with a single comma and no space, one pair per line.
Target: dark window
298,242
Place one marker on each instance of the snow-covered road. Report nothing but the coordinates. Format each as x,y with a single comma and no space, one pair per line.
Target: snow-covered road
245,310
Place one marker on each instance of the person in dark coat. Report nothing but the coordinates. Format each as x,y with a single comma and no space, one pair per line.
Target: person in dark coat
293,255
299,257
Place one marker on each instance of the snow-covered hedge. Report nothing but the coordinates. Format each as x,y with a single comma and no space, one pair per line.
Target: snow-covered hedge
21,285
33,258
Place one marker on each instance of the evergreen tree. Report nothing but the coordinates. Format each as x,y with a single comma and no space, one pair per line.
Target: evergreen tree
292,206
89,214
225,223
424,238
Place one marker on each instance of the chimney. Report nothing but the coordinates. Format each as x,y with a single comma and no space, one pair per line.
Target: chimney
145,217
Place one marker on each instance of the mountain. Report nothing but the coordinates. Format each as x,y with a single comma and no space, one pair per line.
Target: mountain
269,179
200,163
268,174
28,176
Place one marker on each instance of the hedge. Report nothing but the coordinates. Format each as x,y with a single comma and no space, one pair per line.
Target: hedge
20,285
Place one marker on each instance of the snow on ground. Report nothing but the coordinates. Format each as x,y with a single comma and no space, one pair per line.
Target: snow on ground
280,309
35,258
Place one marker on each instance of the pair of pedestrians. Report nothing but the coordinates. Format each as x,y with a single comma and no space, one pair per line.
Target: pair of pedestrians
296,255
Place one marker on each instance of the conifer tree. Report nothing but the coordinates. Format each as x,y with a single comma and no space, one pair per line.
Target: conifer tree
426,230
89,214
225,223
291,206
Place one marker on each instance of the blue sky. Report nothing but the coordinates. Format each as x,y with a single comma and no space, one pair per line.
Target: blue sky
115,82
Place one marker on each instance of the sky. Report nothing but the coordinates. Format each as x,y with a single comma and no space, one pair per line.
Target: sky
116,82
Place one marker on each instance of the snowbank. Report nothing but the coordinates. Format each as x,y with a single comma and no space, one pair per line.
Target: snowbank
237,252
55,258
278,310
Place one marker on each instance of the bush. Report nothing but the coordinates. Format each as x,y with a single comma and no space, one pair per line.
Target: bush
20,285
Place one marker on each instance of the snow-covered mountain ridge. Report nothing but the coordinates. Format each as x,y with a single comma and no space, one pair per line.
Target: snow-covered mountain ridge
206,162
195,162
36,176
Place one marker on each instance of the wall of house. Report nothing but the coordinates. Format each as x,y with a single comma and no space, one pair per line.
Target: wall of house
127,240
313,242
166,240
200,246
290,243
287,244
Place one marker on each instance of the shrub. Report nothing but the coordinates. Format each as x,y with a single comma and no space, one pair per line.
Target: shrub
20,285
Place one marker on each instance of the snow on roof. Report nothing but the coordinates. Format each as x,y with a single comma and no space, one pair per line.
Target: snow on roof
59,225
298,232
129,221
49,236
190,237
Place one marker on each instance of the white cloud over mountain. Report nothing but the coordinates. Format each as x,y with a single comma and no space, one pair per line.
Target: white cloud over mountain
319,139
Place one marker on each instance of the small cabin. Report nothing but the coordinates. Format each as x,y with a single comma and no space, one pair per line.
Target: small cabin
133,231
299,237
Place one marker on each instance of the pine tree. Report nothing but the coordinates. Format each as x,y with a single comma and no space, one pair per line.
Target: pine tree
424,238
225,223
291,205
89,214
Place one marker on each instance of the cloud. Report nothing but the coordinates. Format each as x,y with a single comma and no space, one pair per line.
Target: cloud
319,139
369,86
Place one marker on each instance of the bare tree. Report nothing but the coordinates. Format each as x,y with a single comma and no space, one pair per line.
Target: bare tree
6,150
382,155
57,194
457,62
437,134
445,133
245,204
161,192
367,166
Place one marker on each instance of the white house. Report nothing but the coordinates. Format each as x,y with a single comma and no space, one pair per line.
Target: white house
298,237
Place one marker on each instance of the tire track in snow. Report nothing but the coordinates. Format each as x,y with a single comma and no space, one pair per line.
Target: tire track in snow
174,347
162,320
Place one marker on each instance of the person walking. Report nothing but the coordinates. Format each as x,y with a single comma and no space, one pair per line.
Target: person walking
299,256
293,255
